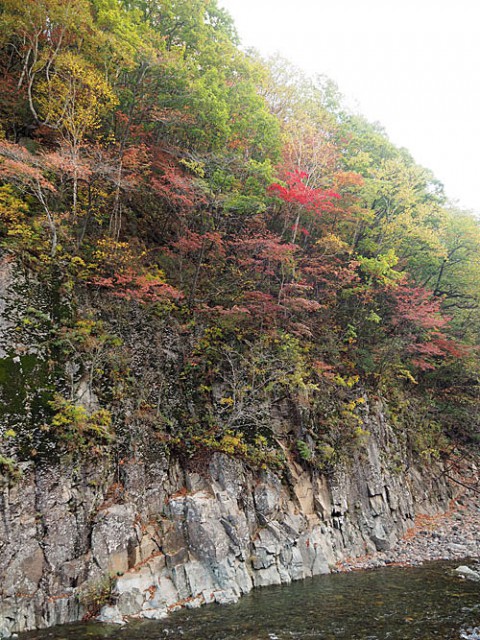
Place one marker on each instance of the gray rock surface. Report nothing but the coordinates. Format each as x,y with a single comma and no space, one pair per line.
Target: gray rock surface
167,538
147,537
469,573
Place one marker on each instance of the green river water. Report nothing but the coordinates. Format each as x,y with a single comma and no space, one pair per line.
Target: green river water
421,603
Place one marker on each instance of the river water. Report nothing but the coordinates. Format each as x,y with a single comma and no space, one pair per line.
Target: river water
415,603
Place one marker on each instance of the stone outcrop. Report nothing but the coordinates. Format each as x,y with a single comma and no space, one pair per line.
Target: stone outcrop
158,537
468,573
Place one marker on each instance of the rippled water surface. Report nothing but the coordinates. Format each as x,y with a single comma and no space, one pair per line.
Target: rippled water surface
422,603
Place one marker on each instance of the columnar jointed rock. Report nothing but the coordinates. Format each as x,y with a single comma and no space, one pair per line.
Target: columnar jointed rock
165,537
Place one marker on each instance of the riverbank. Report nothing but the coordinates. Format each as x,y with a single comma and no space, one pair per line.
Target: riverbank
394,603
453,535
176,538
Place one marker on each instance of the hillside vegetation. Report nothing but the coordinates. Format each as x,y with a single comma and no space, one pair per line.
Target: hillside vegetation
210,249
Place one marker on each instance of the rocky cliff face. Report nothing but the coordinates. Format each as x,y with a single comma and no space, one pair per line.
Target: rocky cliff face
165,537
149,534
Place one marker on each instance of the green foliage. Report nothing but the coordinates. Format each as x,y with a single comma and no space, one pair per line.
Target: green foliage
9,469
96,593
381,268
304,451
143,158
73,425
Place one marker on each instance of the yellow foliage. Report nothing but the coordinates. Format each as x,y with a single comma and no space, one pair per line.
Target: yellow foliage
348,381
118,256
332,244
73,423
12,209
75,97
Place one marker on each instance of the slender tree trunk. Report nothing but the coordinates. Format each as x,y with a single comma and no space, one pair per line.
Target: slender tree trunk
191,298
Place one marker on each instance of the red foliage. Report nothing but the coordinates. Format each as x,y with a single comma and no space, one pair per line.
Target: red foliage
261,304
140,288
135,157
297,192
297,303
324,370
329,276
262,250
439,346
191,243
169,181
293,297
345,179
19,166
417,306
418,315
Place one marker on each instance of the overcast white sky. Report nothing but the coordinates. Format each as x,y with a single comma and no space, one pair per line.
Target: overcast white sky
413,65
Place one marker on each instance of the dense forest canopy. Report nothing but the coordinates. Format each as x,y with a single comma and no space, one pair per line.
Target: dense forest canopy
152,172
